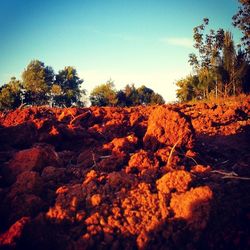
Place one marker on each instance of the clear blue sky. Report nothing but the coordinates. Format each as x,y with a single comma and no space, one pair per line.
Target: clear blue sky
131,41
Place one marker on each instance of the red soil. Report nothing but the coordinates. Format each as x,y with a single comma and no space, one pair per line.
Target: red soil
161,177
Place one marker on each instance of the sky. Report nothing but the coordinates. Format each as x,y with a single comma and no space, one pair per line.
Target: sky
145,42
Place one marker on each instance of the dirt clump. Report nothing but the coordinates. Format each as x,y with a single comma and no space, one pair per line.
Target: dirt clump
143,163
177,180
125,144
33,159
9,239
193,206
162,129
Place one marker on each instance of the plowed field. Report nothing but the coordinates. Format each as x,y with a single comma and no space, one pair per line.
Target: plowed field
156,177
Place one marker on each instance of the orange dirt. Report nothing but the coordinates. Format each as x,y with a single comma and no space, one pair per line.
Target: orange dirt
161,177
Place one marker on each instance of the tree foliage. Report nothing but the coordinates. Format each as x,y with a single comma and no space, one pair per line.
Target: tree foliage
11,94
104,95
148,96
37,81
41,86
131,93
219,70
242,20
66,90
189,88
207,44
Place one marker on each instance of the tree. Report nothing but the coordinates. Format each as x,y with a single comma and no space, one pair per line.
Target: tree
121,98
207,80
37,80
242,74
148,96
156,99
229,59
104,95
11,94
66,90
189,88
242,20
132,97
207,44
56,95
219,68
144,94
234,67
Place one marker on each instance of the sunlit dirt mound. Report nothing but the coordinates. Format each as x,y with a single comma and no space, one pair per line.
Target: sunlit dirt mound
159,177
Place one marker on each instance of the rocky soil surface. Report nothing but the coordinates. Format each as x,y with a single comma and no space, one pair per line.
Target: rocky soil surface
159,177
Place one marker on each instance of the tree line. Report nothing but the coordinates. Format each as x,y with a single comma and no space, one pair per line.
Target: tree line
40,85
106,94
220,69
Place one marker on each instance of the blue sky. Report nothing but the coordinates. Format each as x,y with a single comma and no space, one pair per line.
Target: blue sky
133,41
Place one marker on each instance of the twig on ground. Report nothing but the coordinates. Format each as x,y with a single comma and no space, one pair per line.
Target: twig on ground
21,106
222,163
189,157
192,159
222,172
94,161
236,177
230,175
81,116
94,166
172,151
105,156
71,113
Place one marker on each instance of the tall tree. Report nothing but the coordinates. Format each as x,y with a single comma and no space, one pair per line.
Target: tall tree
148,96
234,67
37,80
189,88
156,99
242,73
242,20
121,98
207,44
144,94
104,95
132,97
228,58
206,81
11,94
220,70
67,90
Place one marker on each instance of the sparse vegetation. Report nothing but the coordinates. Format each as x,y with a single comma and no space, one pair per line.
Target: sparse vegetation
219,69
